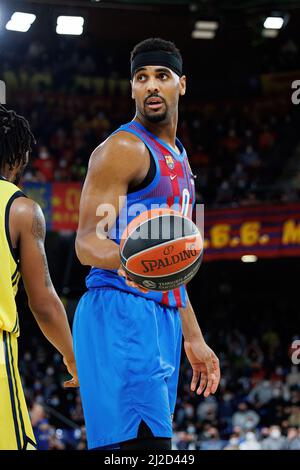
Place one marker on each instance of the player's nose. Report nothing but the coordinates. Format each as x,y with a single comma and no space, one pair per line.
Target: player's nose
152,85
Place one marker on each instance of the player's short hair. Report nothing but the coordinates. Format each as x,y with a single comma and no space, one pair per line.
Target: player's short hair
16,139
155,44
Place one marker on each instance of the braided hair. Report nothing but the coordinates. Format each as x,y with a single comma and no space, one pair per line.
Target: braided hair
16,139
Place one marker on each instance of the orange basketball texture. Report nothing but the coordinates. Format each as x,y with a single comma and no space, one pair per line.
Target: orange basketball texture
161,249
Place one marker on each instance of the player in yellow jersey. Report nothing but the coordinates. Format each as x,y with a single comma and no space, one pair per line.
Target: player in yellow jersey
22,253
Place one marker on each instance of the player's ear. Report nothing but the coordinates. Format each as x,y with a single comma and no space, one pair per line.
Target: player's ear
182,85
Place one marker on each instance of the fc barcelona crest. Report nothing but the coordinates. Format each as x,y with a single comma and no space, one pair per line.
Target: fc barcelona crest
169,161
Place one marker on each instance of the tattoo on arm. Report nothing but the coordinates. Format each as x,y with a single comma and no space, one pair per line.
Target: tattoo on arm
38,230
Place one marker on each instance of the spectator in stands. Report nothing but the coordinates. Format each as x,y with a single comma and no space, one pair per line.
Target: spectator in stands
45,164
261,394
82,444
212,441
233,443
250,442
293,377
275,441
292,441
245,418
41,427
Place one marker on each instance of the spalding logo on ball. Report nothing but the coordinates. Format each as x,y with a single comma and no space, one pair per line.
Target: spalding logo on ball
161,249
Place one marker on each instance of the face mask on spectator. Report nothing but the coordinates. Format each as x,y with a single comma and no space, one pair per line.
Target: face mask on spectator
227,397
191,429
275,433
27,356
189,411
50,371
233,441
43,154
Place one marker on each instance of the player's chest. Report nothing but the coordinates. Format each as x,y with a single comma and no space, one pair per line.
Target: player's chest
175,175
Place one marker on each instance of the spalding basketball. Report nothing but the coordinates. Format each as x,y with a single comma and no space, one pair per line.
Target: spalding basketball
161,249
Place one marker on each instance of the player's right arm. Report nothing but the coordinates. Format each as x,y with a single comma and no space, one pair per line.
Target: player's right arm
28,230
122,160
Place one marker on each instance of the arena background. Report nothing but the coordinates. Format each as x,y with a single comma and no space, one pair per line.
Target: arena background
240,124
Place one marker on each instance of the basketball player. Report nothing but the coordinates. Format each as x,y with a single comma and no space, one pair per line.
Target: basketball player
127,341
22,234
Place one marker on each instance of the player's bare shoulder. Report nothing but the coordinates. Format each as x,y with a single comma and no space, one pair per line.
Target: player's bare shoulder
122,150
26,216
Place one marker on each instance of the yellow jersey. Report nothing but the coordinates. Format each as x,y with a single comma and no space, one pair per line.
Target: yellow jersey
15,428
9,262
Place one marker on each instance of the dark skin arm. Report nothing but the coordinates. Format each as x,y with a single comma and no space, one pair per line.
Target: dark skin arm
121,161
27,229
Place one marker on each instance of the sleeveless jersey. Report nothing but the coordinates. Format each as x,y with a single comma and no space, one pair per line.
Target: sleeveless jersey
172,186
9,264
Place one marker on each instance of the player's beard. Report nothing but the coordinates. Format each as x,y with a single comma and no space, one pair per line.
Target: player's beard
153,116
158,117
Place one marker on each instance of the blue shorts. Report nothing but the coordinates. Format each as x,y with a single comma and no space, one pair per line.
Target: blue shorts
127,351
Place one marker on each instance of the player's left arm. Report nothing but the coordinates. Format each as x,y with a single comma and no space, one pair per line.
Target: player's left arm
203,360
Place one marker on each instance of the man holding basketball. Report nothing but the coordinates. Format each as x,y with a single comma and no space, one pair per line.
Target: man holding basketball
127,340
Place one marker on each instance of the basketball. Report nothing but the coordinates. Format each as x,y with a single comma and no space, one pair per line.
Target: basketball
161,249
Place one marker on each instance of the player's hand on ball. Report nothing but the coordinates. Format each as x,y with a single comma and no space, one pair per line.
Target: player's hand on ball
129,282
71,366
205,365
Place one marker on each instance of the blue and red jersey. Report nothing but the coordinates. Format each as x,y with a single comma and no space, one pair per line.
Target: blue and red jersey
172,186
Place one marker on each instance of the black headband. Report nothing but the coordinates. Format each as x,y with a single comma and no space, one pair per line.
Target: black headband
164,58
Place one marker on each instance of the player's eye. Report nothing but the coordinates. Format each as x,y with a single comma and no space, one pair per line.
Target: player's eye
163,76
140,77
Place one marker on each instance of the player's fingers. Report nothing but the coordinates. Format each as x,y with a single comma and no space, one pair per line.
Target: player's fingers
121,272
210,380
130,283
217,374
142,289
195,379
211,377
203,382
73,383
136,286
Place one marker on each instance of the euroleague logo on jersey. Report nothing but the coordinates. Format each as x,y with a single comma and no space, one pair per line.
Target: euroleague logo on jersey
151,265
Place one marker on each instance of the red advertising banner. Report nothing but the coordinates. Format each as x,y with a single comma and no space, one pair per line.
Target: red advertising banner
65,205
264,231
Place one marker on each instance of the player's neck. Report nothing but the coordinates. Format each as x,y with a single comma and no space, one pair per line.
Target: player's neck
165,131
7,174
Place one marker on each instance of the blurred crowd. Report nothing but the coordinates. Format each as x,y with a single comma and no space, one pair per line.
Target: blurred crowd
256,407
55,412
238,152
239,148
258,403
83,65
